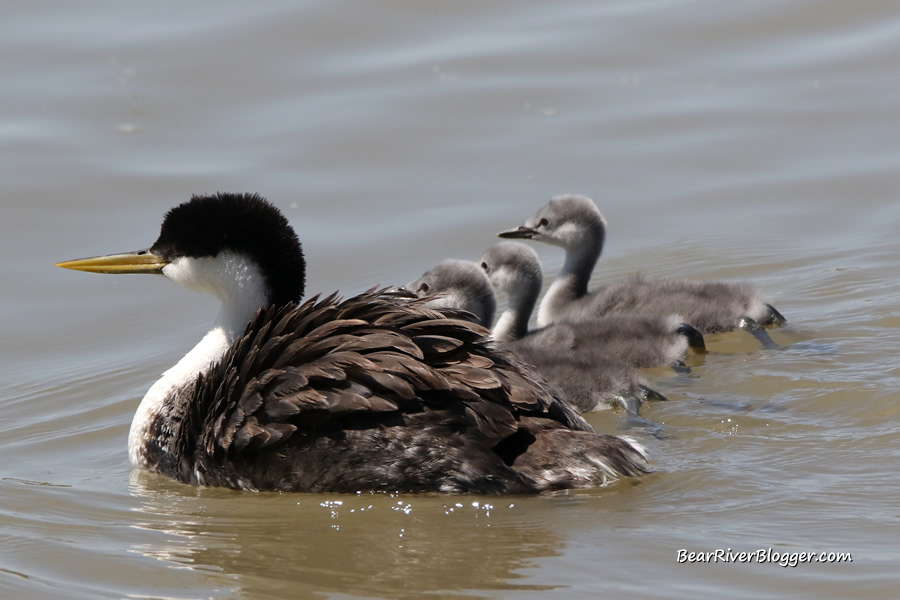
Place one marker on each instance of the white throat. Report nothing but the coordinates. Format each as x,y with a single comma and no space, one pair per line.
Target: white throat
505,328
232,278
521,294
556,294
522,286
239,284
571,283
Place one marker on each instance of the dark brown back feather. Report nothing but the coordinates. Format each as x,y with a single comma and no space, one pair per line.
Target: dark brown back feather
382,394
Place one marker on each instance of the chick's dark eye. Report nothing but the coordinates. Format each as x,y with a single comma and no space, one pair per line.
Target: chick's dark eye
423,289
484,267
543,222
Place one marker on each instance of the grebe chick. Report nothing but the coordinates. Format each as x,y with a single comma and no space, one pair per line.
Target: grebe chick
574,223
641,340
370,393
588,383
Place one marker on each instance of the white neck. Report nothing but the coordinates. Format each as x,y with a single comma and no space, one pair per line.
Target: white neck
232,278
505,327
197,361
558,295
571,282
237,282
522,294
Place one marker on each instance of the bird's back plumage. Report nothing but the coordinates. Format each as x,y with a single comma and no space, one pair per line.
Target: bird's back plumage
342,396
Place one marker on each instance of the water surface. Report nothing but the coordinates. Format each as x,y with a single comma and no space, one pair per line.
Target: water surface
747,141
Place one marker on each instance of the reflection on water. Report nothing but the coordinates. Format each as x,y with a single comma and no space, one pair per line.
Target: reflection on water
385,545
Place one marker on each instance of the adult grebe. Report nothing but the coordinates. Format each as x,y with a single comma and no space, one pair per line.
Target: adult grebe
371,393
588,379
574,223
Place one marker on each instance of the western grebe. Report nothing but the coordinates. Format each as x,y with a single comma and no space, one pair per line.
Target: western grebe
370,393
574,223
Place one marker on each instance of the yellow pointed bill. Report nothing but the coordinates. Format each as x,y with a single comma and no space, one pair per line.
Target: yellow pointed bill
143,261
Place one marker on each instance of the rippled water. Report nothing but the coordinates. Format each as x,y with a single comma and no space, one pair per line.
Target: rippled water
755,141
